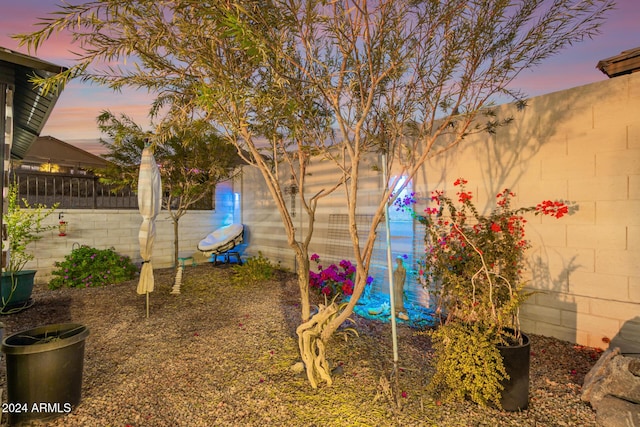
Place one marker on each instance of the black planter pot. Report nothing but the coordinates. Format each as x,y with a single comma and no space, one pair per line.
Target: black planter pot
515,396
44,371
16,291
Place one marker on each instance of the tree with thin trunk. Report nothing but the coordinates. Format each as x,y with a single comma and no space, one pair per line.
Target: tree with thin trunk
293,82
191,163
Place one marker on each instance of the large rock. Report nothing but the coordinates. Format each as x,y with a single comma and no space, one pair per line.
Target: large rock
612,387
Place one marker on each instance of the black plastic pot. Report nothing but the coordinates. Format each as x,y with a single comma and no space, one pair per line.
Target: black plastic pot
44,371
515,396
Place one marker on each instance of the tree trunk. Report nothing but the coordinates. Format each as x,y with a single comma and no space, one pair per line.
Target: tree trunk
313,346
302,273
176,242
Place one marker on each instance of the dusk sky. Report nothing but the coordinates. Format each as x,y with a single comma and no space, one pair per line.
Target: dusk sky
74,118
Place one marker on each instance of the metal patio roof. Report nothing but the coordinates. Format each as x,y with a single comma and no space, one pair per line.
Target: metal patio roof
31,107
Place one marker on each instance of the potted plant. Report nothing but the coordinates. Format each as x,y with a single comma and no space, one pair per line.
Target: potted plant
473,268
23,226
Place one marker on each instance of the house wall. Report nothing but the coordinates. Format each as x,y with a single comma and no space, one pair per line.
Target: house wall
581,144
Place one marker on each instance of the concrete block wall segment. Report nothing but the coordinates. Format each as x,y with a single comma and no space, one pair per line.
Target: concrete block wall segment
117,229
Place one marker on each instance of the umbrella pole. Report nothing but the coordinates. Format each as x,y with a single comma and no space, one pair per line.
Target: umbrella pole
147,305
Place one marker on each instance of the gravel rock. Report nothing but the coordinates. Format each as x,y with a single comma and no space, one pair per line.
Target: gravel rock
221,355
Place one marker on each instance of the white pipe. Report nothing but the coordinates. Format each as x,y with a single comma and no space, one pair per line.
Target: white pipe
394,333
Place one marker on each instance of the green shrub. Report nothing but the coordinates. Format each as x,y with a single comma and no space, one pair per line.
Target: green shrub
468,363
86,266
254,270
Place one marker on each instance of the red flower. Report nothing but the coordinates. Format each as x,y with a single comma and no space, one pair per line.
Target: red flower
495,227
460,181
347,288
465,196
556,208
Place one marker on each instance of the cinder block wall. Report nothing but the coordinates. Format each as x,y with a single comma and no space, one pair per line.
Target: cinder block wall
581,144
104,229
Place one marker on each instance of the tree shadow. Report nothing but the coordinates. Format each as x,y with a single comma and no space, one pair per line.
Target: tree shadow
512,157
554,307
628,338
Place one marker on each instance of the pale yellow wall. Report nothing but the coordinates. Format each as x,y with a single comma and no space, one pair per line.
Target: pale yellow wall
581,144
104,229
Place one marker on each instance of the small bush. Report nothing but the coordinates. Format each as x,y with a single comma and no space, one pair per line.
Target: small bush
254,270
86,266
468,363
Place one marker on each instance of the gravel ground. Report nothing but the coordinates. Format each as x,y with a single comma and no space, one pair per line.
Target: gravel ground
221,355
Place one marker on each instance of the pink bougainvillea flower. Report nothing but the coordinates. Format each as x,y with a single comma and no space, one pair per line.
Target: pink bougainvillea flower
315,257
335,280
404,394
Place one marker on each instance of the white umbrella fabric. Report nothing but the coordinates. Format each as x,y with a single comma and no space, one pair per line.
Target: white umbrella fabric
149,204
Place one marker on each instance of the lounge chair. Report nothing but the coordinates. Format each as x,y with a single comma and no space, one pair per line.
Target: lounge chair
222,242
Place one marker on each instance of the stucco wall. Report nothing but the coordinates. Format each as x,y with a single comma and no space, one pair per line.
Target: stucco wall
581,144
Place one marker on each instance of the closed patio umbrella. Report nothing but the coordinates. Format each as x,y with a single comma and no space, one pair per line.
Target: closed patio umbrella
149,203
